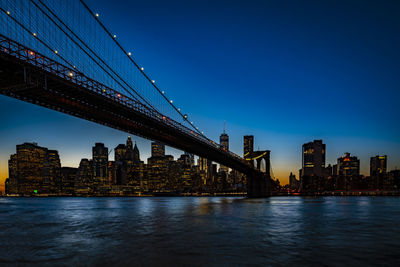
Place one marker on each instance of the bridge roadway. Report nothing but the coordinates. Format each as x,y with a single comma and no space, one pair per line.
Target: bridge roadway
35,78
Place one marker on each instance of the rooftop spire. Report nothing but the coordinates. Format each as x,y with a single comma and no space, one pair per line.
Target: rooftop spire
224,126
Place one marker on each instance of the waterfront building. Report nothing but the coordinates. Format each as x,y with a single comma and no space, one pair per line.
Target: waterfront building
33,170
378,165
348,165
67,183
84,178
100,163
379,178
313,159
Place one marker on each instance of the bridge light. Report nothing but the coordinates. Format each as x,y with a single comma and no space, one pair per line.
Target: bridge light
74,66
185,116
104,90
153,81
179,109
114,36
70,74
163,117
202,132
8,12
162,92
119,95
170,101
31,53
55,51
97,14
34,34
142,69
129,53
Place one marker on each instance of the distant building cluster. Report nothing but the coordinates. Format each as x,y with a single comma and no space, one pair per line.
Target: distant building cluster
35,170
316,177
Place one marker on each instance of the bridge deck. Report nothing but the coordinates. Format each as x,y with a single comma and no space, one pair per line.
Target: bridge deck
32,77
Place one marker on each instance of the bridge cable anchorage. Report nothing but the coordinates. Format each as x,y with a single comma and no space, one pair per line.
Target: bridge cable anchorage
91,52
96,17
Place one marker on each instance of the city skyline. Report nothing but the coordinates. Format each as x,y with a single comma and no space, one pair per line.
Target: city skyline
279,111
158,150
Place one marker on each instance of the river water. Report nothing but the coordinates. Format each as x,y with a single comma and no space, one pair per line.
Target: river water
195,231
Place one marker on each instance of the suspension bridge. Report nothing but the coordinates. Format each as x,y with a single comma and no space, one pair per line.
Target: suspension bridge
60,55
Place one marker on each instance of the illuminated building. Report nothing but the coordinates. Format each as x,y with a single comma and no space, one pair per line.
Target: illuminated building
224,141
248,144
120,152
313,159
157,149
204,164
100,163
224,144
378,165
205,170
33,170
186,159
67,183
84,177
348,166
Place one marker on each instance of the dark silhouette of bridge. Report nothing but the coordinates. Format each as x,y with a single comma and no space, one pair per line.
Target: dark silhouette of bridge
49,60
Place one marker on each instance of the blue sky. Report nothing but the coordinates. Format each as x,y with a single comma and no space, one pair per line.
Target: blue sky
286,71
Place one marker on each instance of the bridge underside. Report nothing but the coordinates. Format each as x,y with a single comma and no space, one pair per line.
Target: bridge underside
35,85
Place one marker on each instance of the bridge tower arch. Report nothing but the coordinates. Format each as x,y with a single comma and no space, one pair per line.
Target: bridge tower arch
258,183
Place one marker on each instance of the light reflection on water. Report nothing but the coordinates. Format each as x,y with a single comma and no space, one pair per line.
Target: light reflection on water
282,231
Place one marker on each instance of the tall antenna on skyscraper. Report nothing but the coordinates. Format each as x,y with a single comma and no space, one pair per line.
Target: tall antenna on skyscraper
224,126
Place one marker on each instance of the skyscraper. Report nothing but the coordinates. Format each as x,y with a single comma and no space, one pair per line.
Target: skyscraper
377,165
224,143
204,165
313,162
129,156
33,169
100,163
136,154
248,144
348,166
120,153
224,140
84,175
157,149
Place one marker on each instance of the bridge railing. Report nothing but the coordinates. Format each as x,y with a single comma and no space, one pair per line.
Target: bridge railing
19,51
